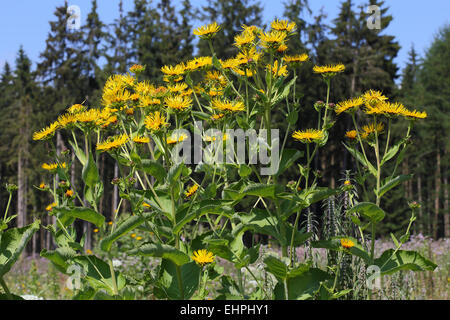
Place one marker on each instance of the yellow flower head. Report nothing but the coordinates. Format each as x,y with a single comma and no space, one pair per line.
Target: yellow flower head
215,76
415,114
76,108
141,139
51,206
203,257
373,96
228,105
244,39
112,143
272,39
308,136
176,138
155,121
352,134
69,193
347,243
198,63
88,251
217,116
177,70
207,31
283,25
249,55
96,230
230,63
329,70
191,190
177,88
349,105
42,185
47,132
53,166
178,103
137,68
296,60
278,71
148,101
371,128
133,235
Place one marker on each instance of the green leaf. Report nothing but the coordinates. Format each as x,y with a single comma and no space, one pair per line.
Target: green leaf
79,153
126,226
391,152
360,157
370,210
402,260
168,281
175,173
154,169
335,244
162,251
205,206
395,240
288,158
244,170
57,257
90,172
388,185
82,213
276,267
12,243
98,273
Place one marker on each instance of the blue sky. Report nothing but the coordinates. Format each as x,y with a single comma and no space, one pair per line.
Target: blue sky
26,22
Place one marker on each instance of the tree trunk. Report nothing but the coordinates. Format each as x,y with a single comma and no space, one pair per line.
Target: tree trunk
420,225
21,192
437,185
446,213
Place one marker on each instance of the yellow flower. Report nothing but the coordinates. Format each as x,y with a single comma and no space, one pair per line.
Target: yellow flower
178,103
146,205
138,238
140,139
191,190
349,105
42,185
96,230
53,166
296,59
278,71
47,132
308,136
67,119
179,87
214,138
282,48
176,139
347,243
137,68
272,39
244,39
373,96
51,206
112,143
203,257
215,76
174,70
76,108
371,128
110,223
248,56
329,69
198,63
155,121
347,182
415,114
88,251
147,101
283,25
386,108
207,31
133,235
352,134
217,116
228,106
230,63
69,193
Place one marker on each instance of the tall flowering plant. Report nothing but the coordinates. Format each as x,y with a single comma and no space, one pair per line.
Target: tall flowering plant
169,199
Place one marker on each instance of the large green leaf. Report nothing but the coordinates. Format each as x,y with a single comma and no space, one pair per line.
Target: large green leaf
154,169
369,210
360,157
90,172
126,226
391,183
59,257
288,158
276,267
82,213
403,260
161,251
335,244
204,207
98,273
12,243
169,283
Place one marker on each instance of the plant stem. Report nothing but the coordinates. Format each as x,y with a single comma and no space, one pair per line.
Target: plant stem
7,206
5,287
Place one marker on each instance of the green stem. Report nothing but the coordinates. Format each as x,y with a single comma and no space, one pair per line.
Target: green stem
113,275
7,206
5,287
